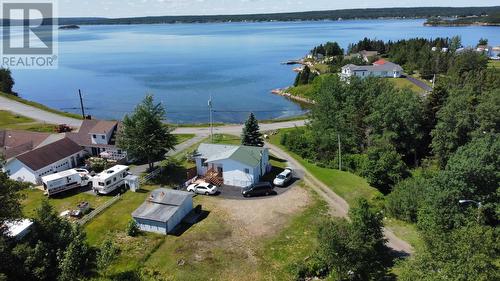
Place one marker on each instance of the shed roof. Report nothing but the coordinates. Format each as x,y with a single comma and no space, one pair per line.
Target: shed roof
161,205
249,155
48,154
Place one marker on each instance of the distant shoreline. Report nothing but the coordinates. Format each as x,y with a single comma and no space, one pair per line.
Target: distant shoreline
331,15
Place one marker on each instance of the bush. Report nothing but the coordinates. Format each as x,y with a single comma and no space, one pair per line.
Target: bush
313,267
107,254
354,162
132,228
406,199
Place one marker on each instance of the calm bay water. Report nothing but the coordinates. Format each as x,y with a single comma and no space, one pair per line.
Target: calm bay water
238,64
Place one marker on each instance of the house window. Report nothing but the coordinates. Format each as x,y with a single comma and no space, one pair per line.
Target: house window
102,137
247,171
204,162
119,151
94,136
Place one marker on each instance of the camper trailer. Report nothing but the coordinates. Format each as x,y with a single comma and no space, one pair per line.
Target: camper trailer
65,180
110,179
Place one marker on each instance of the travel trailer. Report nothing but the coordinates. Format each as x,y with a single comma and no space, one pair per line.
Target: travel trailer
110,179
65,180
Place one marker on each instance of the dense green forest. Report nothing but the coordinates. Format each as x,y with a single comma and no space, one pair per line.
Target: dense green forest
420,12
426,153
492,19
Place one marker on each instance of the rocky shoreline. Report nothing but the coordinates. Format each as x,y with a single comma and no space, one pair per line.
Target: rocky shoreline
284,93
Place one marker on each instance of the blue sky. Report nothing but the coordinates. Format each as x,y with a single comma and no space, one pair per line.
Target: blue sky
130,8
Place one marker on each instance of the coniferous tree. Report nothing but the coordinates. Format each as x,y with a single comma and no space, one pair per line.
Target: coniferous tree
251,135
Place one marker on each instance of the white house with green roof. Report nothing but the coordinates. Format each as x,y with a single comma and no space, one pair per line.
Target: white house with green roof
237,165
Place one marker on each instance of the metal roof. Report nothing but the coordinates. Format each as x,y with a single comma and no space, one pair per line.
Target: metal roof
249,155
387,66
161,204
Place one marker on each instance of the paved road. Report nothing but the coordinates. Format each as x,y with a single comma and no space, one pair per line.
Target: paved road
36,113
139,169
236,129
47,117
338,206
419,84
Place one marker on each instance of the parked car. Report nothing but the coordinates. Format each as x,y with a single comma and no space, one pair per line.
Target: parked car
284,177
259,189
203,188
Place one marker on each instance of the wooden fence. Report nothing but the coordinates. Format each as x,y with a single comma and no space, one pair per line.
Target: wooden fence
98,210
151,175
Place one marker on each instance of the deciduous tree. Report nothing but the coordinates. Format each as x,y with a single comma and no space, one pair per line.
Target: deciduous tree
144,135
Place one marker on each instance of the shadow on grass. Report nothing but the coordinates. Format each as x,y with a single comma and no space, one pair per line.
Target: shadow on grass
274,158
195,216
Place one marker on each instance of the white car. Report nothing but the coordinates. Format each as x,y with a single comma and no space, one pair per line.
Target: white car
203,188
284,177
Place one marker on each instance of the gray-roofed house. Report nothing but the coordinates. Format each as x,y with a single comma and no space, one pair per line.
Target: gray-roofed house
380,68
238,166
163,210
51,158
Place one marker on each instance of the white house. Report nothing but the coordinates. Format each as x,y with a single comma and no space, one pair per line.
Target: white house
380,68
97,137
54,157
163,210
237,165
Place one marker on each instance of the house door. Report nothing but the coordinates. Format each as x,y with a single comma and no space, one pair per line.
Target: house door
219,169
73,164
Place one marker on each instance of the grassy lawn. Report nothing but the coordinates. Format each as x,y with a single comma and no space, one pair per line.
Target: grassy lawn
322,68
183,137
284,119
345,184
8,120
405,231
294,243
208,250
306,91
226,139
402,83
60,202
494,64
41,106
350,187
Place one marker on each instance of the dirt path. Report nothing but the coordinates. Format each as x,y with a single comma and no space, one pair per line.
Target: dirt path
338,205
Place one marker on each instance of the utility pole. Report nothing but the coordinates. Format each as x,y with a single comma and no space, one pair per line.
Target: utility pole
211,119
81,103
340,155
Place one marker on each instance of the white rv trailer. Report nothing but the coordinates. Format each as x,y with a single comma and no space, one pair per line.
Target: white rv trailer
65,180
110,179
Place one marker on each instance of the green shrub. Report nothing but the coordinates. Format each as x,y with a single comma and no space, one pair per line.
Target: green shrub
132,228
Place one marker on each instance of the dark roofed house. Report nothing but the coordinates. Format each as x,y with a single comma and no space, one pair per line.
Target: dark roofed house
98,139
51,158
163,210
13,143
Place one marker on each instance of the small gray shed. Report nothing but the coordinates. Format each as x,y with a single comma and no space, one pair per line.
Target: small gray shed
163,210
